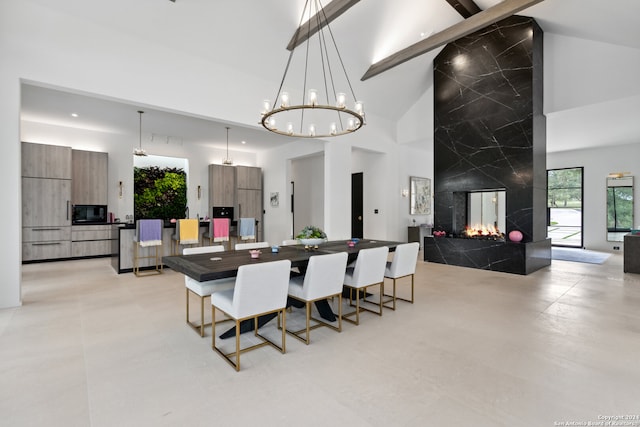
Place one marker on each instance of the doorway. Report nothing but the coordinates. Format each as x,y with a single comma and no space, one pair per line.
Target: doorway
357,205
564,206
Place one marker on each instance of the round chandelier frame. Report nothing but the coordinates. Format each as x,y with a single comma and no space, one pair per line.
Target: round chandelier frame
321,114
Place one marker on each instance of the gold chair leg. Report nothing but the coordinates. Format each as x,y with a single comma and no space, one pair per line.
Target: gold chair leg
201,316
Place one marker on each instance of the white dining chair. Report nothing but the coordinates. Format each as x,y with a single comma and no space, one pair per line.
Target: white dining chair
323,279
402,265
260,289
204,289
252,245
368,271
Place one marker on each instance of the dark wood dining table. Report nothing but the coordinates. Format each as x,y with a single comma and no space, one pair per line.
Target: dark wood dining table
219,265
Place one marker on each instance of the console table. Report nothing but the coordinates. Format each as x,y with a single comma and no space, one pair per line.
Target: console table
631,253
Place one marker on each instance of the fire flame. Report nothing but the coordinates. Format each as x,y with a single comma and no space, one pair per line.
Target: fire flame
482,231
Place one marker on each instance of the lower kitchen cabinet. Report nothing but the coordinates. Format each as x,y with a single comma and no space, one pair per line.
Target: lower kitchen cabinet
90,240
39,243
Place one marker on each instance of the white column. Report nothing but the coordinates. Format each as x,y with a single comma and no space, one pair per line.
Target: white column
337,190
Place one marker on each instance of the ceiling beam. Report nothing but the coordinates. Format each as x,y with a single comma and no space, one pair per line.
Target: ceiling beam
306,30
476,22
466,8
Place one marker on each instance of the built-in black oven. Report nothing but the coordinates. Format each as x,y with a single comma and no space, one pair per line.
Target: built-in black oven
223,212
89,214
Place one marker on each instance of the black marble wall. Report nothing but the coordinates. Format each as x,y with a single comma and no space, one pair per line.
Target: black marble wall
490,132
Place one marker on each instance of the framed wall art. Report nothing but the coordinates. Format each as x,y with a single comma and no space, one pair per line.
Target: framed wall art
275,199
420,198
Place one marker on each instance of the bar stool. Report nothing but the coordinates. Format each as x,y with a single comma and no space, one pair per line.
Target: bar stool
218,231
187,233
247,229
148,235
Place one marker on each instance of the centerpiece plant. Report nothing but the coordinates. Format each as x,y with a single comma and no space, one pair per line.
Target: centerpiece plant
311,232
311,236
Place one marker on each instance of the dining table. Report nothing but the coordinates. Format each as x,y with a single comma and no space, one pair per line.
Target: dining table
220,265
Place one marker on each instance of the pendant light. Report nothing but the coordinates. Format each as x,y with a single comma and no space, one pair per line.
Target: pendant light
139,151
320,109
227,160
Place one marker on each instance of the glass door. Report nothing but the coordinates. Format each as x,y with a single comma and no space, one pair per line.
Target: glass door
564,206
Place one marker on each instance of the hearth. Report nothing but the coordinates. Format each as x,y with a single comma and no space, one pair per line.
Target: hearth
490,150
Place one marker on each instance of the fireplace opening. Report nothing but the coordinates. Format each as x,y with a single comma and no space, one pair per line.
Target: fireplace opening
484,215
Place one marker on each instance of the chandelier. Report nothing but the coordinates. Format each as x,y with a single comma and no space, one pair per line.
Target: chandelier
139,151
322,109
227,160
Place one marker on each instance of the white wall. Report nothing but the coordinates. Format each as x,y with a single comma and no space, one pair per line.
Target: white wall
308,175
598,163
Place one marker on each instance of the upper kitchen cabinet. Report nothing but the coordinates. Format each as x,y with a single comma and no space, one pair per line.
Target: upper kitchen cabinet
46,161
249,178
222,186
89,177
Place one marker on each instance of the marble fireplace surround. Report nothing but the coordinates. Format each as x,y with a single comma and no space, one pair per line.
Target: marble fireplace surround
490,133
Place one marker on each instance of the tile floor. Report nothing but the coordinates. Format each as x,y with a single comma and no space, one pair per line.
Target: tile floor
90,347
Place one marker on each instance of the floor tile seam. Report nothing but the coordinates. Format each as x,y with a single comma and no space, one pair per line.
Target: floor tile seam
561,296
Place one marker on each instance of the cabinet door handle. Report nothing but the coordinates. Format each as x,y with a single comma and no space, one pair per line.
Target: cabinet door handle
46,244
46,229
67,210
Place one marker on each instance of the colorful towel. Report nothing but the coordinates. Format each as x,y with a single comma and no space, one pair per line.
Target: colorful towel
189,229
221,229
149,232
247,228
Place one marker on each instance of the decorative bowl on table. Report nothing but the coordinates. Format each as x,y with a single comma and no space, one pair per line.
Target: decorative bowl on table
255,253
311,236
311,243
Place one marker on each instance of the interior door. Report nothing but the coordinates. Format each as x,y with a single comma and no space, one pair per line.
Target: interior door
356,205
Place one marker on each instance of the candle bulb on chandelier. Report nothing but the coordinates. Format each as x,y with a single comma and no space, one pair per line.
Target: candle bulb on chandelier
284,99
313,97
266,106
340,100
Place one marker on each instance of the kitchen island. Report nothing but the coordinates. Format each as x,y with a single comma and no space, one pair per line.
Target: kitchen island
122,245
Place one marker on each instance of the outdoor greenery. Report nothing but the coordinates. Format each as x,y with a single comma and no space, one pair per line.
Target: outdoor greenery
159,193
564,188
619,208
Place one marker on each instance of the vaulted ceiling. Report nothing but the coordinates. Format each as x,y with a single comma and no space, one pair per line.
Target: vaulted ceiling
254,39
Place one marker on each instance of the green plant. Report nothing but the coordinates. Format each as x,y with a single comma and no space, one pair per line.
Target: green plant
159,193
311,232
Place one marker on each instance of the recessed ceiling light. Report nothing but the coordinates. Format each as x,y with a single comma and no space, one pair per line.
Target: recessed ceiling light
244,142
74,114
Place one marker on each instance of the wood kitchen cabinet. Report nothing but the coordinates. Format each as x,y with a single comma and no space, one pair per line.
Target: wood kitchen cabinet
249,195
89,177
249,177
240,187
46,202
222,186
46,161
90,240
